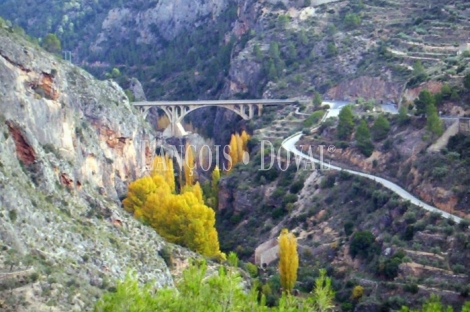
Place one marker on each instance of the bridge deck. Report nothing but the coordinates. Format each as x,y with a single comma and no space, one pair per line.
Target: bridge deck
219,102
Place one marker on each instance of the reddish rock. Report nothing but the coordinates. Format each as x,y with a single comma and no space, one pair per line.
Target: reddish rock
24,150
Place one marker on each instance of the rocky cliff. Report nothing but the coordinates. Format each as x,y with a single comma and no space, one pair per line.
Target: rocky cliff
69,146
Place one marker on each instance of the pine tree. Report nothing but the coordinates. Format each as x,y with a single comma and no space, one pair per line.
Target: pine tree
380,128
363,140
424,99
434,124
346,123
288,260
403,115
317,100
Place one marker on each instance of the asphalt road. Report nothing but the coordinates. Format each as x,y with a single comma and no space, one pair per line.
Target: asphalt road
289,145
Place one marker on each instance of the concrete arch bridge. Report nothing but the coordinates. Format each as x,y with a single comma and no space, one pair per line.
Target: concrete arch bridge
177,110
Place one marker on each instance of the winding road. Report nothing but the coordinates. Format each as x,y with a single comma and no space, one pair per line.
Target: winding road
289,145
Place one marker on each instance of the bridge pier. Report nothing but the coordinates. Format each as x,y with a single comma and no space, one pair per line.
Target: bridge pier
260,109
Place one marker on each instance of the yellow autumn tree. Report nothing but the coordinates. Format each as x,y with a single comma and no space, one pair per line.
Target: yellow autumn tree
288,260
180,218
238,146
245,137
233,151
196,189
137,194
240,149
189,166
163,166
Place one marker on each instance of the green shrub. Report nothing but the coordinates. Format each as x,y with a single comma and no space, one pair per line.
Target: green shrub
313,118
361,244
348,227
411,288
296,187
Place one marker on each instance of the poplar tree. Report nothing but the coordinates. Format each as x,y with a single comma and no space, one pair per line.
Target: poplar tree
288,260
163,165
233,151
215,186
189,166
182,219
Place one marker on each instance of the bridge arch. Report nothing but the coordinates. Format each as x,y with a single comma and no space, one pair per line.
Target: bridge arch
177,110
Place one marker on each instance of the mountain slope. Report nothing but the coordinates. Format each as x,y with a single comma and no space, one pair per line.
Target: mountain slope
69,146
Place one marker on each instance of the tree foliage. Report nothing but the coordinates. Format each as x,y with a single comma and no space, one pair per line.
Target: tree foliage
182,219
352,20
357,292
346,123
424,99
466,81
361,244
403,117
288,260
434,304
215,185
317,100
433,123
189,166
238,147
218,292
323,294
380,128
163,166
362,136
51,44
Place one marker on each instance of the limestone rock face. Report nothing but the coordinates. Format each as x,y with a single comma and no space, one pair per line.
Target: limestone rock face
366,87
69,146
137,90
169,17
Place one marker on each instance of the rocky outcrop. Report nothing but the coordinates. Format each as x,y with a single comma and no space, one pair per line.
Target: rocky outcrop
432,86
137,90
162,20
66,155
367,88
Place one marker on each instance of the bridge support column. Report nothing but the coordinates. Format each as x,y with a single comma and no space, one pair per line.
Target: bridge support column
145,111
260,109
251,111
175,114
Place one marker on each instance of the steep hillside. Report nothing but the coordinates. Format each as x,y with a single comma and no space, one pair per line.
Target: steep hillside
364,234
198,49
69,146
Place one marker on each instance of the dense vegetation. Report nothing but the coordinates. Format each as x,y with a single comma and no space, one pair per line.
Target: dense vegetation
182,218
220,291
